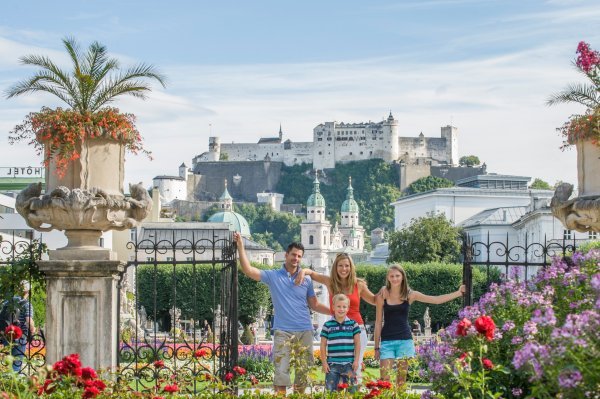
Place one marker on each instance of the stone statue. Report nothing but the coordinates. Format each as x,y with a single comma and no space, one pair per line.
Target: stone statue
175,316
427,318
581,214
143,317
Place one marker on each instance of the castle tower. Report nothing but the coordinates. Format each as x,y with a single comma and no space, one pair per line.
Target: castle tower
324,146
280,134
450,133
183,171
391,144
214,149
353,234
226,200
316,230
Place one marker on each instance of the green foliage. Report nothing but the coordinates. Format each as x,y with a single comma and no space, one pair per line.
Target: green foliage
196,291
428,183
273,229
430,238
469,160
539,184
223,156
430,279
586,247
210,211
375,185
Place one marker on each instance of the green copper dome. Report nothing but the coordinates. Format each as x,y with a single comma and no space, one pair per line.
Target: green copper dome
316,199
350,205
237,221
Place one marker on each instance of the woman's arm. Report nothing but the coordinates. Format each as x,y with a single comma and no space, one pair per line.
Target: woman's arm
318,277
366,294
378,324
438,299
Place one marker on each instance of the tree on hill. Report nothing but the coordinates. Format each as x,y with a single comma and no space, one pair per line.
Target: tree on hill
469,160
540,184
430,238
273,229
428,183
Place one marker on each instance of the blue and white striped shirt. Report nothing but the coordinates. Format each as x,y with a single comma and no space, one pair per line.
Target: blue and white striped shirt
340,340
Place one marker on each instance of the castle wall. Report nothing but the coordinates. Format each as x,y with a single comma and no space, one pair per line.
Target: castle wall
244,179
253,152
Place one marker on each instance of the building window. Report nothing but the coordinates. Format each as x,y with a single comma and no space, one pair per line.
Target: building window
189,259
311,240
150,259
592,235
170,259
350,152
320,153
567,234
132,235
265,261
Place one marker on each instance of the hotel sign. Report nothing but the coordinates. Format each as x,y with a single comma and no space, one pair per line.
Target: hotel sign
19,171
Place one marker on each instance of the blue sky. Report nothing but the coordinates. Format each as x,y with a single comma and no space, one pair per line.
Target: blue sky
238,69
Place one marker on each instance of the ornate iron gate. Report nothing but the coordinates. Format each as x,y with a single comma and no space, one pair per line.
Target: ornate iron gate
193,274
18,257
487,254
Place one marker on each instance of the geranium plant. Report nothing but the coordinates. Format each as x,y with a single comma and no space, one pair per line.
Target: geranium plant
94,82
586,126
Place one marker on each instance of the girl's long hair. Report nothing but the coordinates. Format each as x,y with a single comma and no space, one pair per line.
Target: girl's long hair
404,288
337,285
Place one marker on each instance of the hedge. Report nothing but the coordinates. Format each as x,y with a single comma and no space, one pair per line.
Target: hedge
430,279
197,291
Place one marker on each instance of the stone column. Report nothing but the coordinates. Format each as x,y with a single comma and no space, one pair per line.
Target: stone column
82,310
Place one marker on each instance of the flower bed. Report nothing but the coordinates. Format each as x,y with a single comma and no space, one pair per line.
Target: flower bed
538,339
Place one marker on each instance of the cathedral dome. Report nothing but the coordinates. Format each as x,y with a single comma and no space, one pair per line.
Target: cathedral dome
316,198
237,221
349,204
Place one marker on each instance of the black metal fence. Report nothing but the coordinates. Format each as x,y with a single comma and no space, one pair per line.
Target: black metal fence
18,258
524,259
178,314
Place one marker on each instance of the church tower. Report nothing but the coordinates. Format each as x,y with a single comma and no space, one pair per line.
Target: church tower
353,234
316,231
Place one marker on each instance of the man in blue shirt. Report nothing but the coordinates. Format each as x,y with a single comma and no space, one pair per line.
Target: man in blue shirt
292,303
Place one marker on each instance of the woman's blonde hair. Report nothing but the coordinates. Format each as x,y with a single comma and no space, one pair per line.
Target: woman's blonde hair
337,285
404,288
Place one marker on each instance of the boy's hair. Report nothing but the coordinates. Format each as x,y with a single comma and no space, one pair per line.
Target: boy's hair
297,245
339,298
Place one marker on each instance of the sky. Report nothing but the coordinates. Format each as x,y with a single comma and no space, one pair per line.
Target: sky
239,69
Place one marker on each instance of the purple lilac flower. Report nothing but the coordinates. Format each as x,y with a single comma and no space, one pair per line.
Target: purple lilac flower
508,325
517,392
544,317
596,282
530,329
516,340
427,395
529,352
569,378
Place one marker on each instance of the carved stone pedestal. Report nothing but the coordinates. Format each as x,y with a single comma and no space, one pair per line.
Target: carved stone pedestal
81,310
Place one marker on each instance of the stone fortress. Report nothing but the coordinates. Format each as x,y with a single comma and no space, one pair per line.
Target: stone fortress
335,143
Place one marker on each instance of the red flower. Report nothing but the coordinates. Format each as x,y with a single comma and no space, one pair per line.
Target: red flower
46,388
171,388
463,327
239,370
462,358
371,384
485,326
69,365
159,364
88,373
13,332
200,353
90,392
374,392
229,377
253,380
384,384
341,386
487,363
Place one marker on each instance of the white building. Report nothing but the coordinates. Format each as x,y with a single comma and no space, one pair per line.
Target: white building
460,203
335,142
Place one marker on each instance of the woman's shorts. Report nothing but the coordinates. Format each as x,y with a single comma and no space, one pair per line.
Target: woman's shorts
397,349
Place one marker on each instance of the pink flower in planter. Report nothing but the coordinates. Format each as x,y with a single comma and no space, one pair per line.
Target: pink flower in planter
587,59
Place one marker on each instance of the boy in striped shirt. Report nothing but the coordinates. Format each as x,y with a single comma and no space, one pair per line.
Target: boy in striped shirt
340,346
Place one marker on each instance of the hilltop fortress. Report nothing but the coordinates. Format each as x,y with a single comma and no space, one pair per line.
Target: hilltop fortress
335,143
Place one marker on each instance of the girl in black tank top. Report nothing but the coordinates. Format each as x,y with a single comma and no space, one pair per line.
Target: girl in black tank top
391,323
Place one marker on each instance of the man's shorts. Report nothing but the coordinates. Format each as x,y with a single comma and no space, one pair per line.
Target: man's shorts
397,349
302,344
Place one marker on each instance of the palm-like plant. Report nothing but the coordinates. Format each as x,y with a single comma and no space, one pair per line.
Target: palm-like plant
95,80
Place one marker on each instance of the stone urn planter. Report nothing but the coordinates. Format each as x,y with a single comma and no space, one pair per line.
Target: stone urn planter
583,212
87,200
588,168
